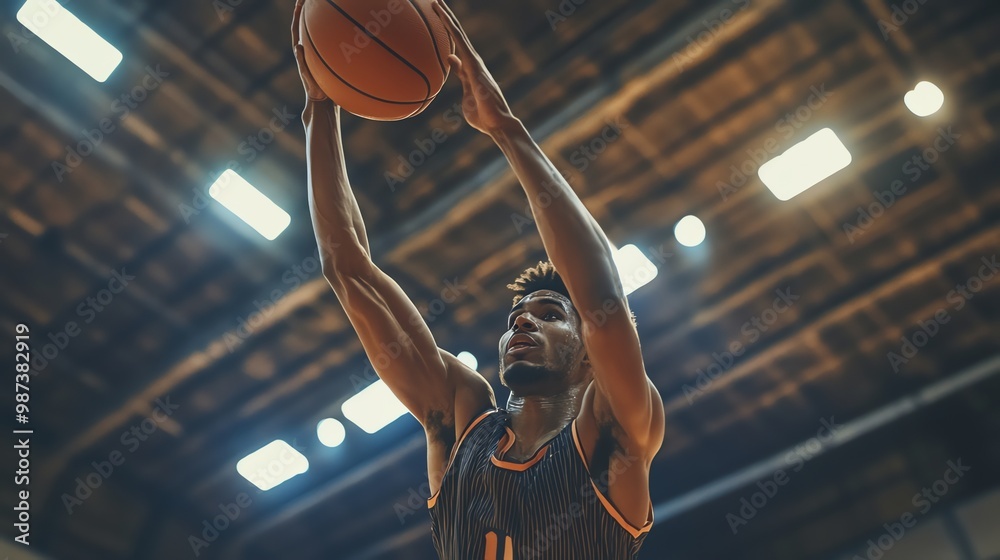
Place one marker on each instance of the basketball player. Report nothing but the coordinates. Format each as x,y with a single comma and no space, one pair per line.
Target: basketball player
561,473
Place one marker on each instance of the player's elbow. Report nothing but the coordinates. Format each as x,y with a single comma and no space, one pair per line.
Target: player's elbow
341,263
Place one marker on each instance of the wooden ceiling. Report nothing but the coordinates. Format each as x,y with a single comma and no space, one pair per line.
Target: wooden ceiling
250,344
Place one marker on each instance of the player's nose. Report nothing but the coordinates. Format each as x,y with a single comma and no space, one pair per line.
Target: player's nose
524,323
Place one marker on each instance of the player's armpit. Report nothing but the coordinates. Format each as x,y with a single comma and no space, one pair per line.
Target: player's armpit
625,394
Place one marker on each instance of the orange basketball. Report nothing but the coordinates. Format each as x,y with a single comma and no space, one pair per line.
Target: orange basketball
380,59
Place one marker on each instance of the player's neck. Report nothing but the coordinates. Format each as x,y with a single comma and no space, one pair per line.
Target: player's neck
535,418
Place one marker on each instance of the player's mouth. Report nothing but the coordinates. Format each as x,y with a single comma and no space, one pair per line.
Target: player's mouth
520,342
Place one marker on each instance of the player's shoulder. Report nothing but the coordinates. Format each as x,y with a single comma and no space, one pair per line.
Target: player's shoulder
473,393
467,382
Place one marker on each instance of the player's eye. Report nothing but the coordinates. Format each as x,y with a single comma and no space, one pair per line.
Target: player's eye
552,314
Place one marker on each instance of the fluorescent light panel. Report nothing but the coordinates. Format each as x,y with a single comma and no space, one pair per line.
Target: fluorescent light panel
373,408
634,269
249,204
805,164
272,464
64,32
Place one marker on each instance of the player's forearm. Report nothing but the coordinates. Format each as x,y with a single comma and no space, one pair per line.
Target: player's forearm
340,229
573,240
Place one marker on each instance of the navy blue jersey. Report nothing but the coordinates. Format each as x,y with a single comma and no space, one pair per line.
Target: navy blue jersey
547,508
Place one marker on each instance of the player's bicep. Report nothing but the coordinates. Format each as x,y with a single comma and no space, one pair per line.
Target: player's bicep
625,392
473,393
396,340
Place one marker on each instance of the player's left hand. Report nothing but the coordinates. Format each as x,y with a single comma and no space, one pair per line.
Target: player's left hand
483,103
313,92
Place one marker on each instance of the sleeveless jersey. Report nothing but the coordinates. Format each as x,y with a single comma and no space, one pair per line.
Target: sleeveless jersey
547,508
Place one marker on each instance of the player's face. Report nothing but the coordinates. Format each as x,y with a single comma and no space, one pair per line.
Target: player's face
542,348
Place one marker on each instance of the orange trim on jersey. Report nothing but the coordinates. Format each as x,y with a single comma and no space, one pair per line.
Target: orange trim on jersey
520,467
610,507
508,549
507,441
432,501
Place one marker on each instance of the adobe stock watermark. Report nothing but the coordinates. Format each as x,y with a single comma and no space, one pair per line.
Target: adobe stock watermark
250,148
87,310
929,328
900,15
566,9
225,8
913,168
587,153
291,279
698,43
40,19
581,158
368,33
752,331
786,126
122,106
561,524
768,488
638,276
389,351
266,475
131,439
425,148
558,524
923,501
551,192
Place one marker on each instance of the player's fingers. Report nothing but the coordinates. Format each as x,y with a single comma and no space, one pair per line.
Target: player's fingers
300,60
313,91
454,27
451,14
296,16
455,64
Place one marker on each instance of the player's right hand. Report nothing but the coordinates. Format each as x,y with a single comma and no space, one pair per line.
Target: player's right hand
313,91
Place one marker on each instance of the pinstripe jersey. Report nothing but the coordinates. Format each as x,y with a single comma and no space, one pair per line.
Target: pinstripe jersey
547,508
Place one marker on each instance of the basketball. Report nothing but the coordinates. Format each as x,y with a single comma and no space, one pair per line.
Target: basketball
383,60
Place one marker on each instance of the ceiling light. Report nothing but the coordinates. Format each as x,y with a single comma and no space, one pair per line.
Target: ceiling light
468,359
272,464
805,164
64,32
634,269
924,99
331,432
249,204
374,408
690,231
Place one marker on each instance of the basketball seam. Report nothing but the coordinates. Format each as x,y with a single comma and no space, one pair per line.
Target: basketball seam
430,32
427,83
345,82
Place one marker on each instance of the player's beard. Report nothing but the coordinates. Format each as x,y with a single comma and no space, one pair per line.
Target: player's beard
526,374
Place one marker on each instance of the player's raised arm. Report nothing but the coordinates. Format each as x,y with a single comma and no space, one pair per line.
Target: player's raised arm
576,245
396,339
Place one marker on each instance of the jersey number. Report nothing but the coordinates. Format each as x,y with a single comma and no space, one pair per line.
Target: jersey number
493,549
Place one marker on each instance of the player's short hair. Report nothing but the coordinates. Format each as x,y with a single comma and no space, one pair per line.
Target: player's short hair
543,276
